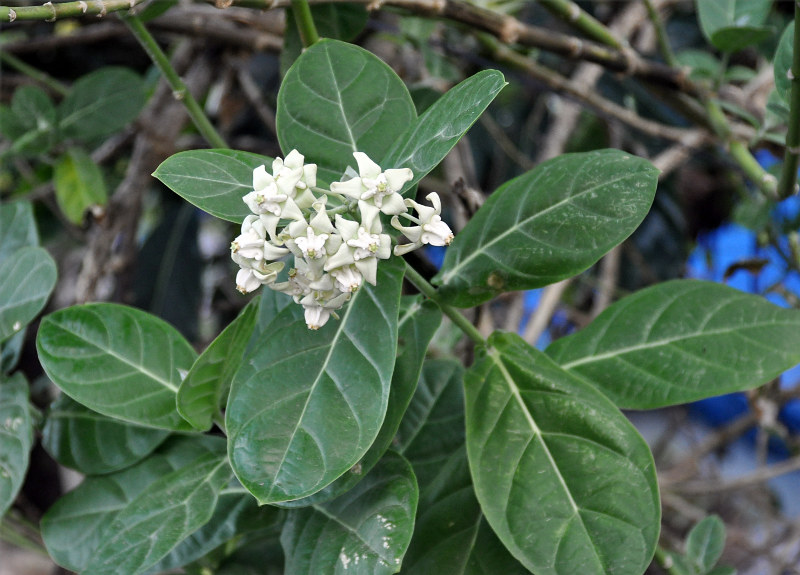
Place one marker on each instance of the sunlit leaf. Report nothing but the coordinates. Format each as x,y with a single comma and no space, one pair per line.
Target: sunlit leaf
117,360
721,339
79,184
731,25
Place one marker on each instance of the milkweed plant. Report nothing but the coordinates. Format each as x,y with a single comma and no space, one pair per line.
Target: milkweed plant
323,429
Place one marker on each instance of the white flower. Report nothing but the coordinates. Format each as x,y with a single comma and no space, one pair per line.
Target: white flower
376,187
319,306
248,279
348,278
360,248
430,229
313,245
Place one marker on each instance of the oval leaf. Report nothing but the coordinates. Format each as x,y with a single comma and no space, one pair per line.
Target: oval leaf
564,479
201,393
16,437
431,137
681,341
419,320
783,63
101,103
705,543
27,278
338,99
306,405
213,180
17,228
74,527
79,184
548,224
731,25
170,510
118,361
92,443
365,531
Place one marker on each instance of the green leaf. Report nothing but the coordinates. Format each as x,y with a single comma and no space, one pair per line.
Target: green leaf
30,122
270,305
564,479
306,405
365,531
118,361
236,514
339,21
722,570
101,103
74,527
16,437
418,322
783,63
433,426
731,25
17,228
548,224
94,444
429,139
171,509
452,531
705,543
338,99
681,341
79,185
213,180
202,391
27,278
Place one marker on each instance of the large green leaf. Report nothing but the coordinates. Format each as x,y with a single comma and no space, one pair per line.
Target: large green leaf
783,63
418,322
26,279
337,99
79,184
75,526
101,103
17,228
548,224
30,122
236,514
428,140
201,393
92,443
731,25
306,405
365,531
564,479
117,360
451,529
16,437
213,180
433,426
681,341
171,509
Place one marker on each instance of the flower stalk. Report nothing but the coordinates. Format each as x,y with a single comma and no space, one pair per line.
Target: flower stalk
305,22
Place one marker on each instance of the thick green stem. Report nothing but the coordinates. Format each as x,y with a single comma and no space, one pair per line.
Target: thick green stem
305,22
455,316
583,21
52,11
791,159
179,89
32,72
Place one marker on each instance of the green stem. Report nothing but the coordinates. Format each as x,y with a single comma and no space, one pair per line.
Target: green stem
583,21
661,35
32,72
791,159
663,558
179,89
455,316
12,533
52,11
305,22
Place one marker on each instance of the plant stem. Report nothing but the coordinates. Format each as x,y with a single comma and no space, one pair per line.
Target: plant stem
32,72
52,11
179,89
11,532
583,21
661,35
791,158
455,316
305,22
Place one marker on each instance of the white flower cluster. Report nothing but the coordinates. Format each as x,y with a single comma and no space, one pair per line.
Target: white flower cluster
332,259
